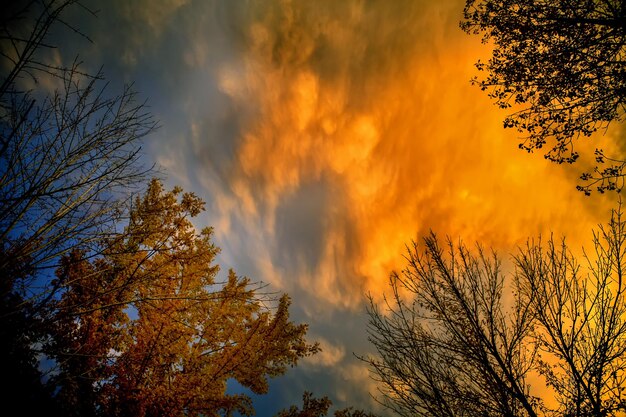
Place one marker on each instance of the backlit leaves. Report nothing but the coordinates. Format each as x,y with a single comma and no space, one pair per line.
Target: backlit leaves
147,330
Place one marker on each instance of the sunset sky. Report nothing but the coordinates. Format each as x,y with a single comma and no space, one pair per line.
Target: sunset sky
324,137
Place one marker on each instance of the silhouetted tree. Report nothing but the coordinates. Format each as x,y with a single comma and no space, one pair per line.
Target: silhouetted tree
318,407
68,156
458,338
561,66
144,329
23,388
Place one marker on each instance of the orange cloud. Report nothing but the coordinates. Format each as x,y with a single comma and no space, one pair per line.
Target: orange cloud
379,111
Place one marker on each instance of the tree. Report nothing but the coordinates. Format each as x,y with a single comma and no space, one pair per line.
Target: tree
460,338
144,329
561,66
68,157
314,407
23,387
311,407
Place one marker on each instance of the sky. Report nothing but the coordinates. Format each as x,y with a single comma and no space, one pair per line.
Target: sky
325,136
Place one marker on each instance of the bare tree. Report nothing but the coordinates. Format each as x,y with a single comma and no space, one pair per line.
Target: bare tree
460,338
580,320
68,157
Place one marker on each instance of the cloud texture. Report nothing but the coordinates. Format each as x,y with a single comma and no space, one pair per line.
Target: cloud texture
325,136
358,131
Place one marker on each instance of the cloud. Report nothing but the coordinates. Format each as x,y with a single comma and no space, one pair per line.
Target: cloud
327,135
330,355
360,131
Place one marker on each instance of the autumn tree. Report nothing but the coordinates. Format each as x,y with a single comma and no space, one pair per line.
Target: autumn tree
145,329
458,337
561,66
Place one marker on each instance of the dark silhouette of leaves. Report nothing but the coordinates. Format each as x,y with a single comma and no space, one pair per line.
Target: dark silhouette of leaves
560,66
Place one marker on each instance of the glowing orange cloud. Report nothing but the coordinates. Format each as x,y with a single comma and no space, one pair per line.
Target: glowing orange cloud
376,106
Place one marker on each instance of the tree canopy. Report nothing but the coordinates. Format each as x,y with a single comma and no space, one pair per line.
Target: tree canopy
560,65
318,407
458,337
146,330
